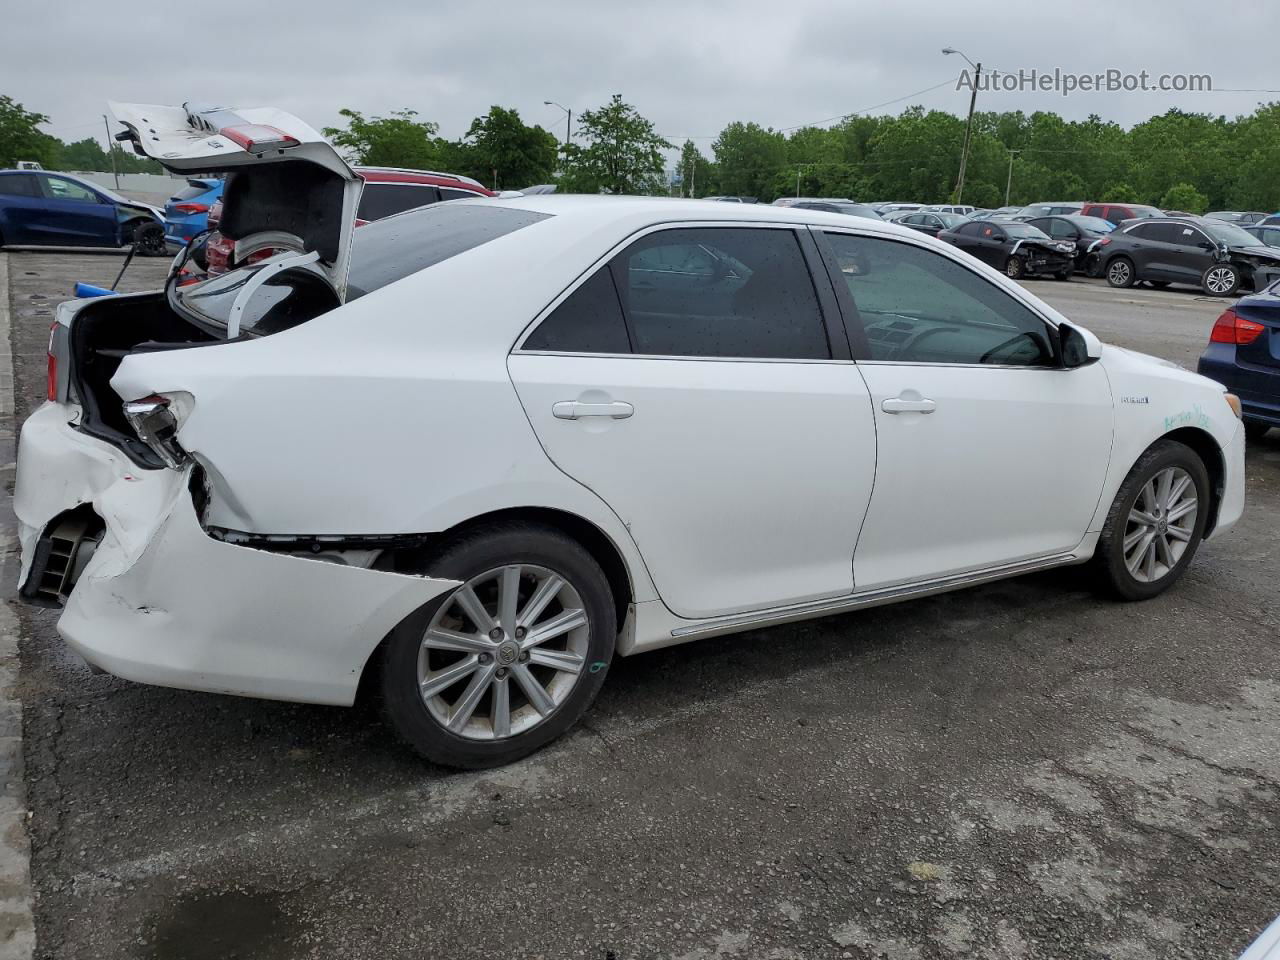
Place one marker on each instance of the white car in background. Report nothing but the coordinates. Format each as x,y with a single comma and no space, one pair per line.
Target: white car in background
496,443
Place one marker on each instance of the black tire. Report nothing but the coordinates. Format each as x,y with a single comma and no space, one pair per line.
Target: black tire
1109,557
468,556
1015,268
149,238
1220,279
1120,272
1255,429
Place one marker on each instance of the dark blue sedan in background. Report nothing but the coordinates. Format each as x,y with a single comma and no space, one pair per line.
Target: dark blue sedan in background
1244,356
60,209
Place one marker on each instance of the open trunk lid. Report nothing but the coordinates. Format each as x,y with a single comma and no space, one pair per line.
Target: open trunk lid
287,186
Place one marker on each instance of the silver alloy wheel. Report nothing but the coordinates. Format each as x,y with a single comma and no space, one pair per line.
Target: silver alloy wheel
503,652
1118,273
1160,525
1220,280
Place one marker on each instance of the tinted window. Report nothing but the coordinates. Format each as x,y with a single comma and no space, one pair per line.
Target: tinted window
60,188
17,185
1185,236
194,188
974,229
732,292
448,193
379,200
393,248
588,321
1155,232
918,306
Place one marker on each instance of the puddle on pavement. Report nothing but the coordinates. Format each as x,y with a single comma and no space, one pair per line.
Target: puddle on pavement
225,926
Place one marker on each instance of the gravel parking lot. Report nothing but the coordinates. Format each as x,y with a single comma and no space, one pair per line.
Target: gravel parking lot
1019,770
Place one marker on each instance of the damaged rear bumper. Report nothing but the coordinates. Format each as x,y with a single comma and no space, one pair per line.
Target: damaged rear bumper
162,602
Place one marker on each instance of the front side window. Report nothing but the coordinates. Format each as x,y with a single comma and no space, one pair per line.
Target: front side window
60,188
1185,236
721,292
918,306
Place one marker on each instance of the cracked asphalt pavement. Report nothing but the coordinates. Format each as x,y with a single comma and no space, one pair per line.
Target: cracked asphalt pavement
1019,770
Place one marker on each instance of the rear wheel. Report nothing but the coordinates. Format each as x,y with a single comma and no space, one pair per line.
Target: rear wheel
1156,522
508,661
1120,272
1220,280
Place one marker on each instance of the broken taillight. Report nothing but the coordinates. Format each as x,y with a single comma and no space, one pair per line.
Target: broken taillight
156,426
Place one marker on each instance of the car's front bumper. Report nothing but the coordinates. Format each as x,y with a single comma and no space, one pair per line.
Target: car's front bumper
162,602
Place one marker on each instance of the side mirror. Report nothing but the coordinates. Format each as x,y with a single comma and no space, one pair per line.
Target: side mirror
1079,347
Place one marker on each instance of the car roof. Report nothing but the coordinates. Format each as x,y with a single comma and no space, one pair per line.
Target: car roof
405,175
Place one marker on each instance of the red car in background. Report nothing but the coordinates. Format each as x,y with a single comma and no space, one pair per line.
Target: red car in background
387,190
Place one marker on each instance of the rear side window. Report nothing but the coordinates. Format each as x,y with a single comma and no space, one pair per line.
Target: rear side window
17,185
721,292
448,193
391,249
379,200
588,321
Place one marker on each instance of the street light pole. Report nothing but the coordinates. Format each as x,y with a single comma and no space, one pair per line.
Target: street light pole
111,150
968,127
1009,183
568,119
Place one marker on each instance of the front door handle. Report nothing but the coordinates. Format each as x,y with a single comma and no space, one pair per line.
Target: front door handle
576,410
903,405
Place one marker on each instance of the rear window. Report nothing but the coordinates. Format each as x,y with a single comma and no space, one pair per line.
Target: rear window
380,200
194,188
391,249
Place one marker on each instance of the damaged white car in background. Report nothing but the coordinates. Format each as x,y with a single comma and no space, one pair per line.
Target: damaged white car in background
496,442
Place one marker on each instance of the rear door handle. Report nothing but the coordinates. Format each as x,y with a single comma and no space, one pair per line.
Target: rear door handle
900,405
576,410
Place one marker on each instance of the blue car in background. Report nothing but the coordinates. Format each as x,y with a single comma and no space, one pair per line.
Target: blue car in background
187,212
1244,356
42,208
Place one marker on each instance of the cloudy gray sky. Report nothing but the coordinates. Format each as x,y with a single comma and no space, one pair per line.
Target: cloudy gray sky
689,66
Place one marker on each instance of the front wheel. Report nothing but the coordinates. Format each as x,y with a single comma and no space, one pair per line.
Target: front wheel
509,660
148,238
1220,280
1015,268
1155,523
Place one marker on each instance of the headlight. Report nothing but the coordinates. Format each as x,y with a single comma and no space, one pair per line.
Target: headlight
157,427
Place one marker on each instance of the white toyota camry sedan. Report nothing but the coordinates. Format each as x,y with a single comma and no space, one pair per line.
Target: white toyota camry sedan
472,452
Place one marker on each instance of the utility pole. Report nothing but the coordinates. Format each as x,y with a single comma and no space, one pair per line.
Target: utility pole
111,150
568,120
968,127
1009,183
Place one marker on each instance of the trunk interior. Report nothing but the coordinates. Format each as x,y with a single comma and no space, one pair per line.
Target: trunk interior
102,335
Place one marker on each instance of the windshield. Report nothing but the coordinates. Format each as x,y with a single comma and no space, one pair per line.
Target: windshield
1229,233
857,210
1024,231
